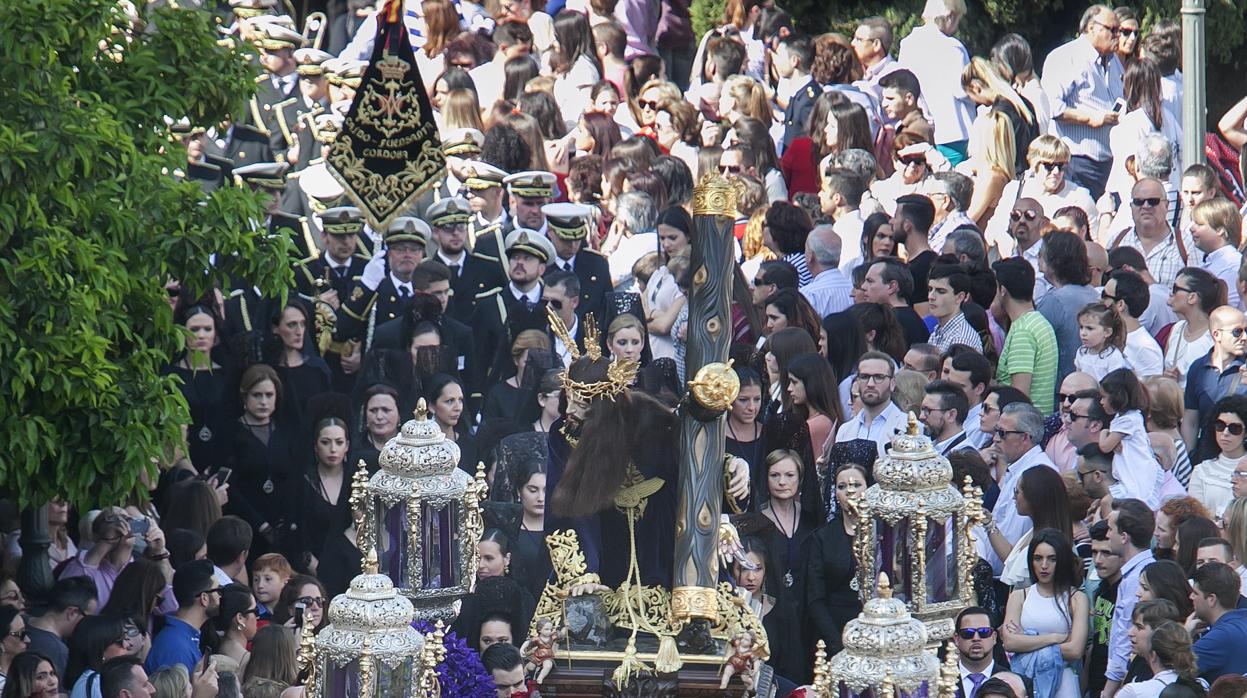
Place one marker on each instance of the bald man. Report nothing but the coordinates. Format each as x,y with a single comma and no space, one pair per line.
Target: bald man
1213,377
1027,223
1063,453
1166,251
1097,259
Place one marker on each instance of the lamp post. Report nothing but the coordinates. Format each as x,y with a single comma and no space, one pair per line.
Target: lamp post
1194,84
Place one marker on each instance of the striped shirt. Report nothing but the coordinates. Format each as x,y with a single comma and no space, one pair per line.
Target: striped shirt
956,331
1164,260
1076,77
797,259
1030,347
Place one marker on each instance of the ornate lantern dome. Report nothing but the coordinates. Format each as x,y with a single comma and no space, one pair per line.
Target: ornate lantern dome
420,449
369,648
885,640
911,475
374,609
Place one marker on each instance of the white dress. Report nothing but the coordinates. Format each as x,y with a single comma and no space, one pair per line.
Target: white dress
1042,614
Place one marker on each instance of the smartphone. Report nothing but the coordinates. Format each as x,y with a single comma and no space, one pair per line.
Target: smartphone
222,476
1119,105
298,614
140,526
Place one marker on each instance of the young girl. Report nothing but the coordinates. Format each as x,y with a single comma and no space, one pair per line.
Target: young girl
1103,338
1137,473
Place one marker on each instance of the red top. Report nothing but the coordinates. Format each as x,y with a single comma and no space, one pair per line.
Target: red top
798,167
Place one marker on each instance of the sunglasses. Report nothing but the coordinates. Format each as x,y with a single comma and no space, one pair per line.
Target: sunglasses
1067,397
173,292
1236,332
1104,295
554,303
970,633
647,104
318,601
1074,417
730,169
1234,429
1127,32
1029,214
913,160
1053,166
1151,201
1177,288
1004,433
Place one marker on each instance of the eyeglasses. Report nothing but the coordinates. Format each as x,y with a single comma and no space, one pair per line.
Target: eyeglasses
924,411
317,601
873,377
1149,202
1004,433
20,635
1030,215
1237,332
214,590
1238,473
1053,166
1234,429
647,104
730,169
1110,29
970,633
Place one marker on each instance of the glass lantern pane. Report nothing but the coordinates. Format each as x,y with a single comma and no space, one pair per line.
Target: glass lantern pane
440,561
342,681
941,554
895,558
395,682
393,543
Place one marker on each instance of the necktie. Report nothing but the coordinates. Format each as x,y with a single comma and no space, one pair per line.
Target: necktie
404,292
530,304
454,270
567,266
340,272
976,679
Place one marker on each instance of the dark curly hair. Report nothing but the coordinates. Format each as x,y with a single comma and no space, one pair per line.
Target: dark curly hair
834,61
506,149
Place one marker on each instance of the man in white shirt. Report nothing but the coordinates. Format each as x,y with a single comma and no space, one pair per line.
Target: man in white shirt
879,419
829,292
938,59
840,197
1027,223
1083,78
971,372
632,235
1128,294
1158,313
872,43
1018,438
1199,184
514,39
950,192
561,293
943,413
975,638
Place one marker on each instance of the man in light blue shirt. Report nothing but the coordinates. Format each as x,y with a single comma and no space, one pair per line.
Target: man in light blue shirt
1130,527
1019,440
829,292
1083,78
879,419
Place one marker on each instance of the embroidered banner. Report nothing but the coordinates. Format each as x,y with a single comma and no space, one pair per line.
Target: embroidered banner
389,151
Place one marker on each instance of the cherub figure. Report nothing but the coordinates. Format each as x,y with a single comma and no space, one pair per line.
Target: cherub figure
739,659
540,650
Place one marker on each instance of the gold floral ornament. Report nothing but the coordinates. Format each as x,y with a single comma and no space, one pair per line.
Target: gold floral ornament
715,195
715,386
389,151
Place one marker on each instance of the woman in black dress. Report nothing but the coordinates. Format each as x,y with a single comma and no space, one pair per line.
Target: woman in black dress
380,424
744,431
529,556
506,400
793,522
263,458
445,400
303,375
831,587
206,384
323,509
776,607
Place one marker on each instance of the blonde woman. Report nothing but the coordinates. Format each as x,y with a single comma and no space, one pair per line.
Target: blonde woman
987,88
990,164
461,110
1045,182
742,96
654,96
1217,228
1234,524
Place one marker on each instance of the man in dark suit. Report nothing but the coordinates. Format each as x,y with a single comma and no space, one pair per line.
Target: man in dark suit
471,274
793,59
501,314
977,644
273,108
562,296
382,295
431,278
331,273
568,228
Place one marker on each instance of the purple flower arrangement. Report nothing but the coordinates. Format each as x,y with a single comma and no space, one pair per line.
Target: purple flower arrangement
461,674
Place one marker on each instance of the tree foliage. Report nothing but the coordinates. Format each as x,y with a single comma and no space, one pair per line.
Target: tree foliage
90,230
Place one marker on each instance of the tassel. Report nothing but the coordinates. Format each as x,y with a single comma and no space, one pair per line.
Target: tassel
668,660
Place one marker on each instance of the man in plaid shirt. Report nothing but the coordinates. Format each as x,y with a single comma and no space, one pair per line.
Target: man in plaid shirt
1166,251
948,286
